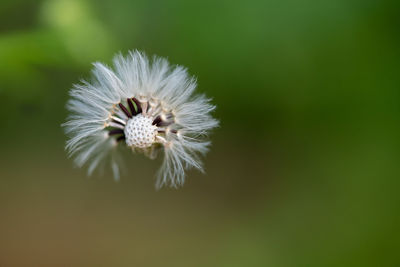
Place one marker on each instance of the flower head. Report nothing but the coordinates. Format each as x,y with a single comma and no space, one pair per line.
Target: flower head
142,105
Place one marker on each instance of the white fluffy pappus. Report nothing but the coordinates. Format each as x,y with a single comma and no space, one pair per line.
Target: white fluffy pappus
143,105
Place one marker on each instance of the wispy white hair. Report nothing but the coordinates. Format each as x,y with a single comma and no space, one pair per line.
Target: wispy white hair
149,102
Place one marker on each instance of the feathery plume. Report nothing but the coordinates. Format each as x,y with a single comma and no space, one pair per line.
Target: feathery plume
146,106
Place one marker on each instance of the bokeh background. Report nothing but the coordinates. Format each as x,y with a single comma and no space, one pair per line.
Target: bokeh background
304,170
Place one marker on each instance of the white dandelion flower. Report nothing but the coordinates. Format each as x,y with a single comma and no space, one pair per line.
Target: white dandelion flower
145,106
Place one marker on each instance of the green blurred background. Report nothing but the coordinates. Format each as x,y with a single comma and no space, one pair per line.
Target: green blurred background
304,170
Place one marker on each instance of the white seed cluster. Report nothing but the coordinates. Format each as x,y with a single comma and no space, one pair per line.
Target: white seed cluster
139,131
120,104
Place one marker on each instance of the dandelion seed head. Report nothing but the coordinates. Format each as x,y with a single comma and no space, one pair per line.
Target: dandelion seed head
147,106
